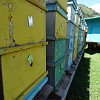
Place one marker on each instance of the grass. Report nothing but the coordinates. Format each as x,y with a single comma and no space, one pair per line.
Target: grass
86,83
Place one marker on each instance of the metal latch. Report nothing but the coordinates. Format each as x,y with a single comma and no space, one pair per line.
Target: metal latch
30,60
30,21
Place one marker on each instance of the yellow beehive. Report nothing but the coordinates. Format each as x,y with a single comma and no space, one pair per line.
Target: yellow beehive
41,2
57,27
74,54
4,23
63,4
60,26
22,22
22,68
75,42
76,31
76,19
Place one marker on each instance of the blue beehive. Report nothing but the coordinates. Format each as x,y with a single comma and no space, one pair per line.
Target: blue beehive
70,60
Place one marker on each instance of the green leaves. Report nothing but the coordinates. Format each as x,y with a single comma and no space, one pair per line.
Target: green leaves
88,12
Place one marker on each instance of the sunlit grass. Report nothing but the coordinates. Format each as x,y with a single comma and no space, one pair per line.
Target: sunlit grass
86,83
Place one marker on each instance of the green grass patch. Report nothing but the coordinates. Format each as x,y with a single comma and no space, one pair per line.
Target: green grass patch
86,83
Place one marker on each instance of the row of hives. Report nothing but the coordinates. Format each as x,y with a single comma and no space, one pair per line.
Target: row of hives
27,26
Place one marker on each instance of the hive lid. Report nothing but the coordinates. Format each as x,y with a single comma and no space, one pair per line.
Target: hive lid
38,4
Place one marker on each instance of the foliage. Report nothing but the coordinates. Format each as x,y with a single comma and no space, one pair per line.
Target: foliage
88,12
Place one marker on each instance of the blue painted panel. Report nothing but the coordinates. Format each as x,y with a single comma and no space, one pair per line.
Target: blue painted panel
80,37
70,58
36,89
80,32
56,7
79,48
67,46
80,40
70,29
71,44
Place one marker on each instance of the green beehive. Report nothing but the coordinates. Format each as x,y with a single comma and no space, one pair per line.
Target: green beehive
56,72
56,50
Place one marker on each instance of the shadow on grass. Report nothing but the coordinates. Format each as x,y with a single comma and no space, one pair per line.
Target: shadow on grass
93,50
79,90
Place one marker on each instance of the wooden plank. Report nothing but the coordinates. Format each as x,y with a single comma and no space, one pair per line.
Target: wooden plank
44,93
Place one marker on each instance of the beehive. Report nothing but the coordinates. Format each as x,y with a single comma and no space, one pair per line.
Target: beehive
75,42
70,60
74,54
67,45
70,29
79,48
20,18
67,52
62,3
71,44
56,25
4,29
79,32
19,64
56,36
76,31
71,11
31,94
56,50
41,2
56,72
77,19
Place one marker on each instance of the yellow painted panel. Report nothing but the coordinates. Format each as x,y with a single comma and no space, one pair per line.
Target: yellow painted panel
76,31
61,24
21,70
41,2
76,19
27,23
75,42
22,32
63,4
74,54
4,24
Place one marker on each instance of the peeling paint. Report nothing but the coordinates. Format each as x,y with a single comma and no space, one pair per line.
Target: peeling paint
12,42
5,3
10,7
